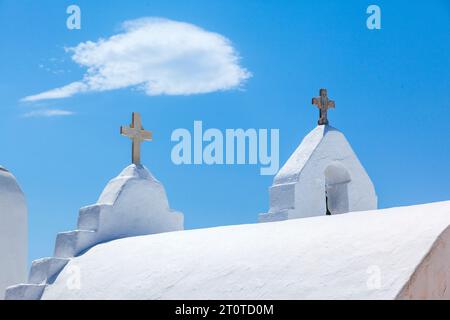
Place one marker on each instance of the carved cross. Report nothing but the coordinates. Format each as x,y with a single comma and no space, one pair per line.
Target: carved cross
323,103
138,135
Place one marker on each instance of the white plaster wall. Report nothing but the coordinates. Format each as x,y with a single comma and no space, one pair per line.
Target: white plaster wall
139,205
431,279
134,203
13,232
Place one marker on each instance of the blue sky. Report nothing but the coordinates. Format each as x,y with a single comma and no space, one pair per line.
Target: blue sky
391,88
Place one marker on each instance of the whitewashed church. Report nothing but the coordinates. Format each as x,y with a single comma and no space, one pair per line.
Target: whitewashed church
132,245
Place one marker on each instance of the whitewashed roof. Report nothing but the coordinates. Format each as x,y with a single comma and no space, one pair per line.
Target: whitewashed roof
351,256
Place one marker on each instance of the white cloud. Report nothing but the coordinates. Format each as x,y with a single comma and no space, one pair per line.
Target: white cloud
157,56
48,113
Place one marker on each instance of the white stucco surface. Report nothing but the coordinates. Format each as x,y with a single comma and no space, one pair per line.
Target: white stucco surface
381,254
139,205
323,164
13,232
134,203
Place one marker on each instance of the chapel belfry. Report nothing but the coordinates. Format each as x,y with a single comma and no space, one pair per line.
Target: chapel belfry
322,177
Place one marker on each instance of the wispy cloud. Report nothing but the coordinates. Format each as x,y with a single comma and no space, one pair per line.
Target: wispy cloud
159,57
47,113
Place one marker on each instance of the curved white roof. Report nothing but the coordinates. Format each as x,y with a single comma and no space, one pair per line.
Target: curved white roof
351,256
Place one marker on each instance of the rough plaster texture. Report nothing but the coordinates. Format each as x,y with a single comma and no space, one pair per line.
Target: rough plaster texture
431,279
323,164
328,257
13,232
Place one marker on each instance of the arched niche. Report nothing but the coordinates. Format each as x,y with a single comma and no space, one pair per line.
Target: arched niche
337,179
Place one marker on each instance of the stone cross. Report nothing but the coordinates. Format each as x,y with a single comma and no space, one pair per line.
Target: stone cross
323,103
138,135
